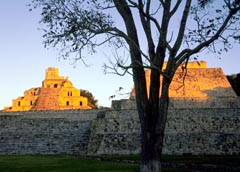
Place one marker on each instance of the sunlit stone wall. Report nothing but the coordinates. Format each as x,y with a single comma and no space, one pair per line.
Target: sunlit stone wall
56,93
197,81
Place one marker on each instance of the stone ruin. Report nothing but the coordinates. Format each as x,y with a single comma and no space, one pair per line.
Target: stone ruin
204,119
57,93
194,85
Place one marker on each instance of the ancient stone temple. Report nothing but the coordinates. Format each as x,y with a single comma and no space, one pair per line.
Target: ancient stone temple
203,119
56,93
196,81
192,85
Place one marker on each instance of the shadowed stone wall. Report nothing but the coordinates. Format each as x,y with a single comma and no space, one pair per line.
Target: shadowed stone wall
209,128
45,132
188,131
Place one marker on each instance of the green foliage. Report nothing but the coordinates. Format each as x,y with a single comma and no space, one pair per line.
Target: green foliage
208,16
92,102
235,82
72,26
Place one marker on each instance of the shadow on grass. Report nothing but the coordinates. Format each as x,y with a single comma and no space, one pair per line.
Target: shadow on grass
60,164
114,163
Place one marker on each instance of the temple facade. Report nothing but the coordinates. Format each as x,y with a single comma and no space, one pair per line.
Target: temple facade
195,81
56,93
193,86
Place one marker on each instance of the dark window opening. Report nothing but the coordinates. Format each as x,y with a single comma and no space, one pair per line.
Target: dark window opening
69,93
19,103
80,103
55,85
67,103
31,103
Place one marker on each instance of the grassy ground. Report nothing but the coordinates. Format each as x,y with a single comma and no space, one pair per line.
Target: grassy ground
80,164
60,164
233,160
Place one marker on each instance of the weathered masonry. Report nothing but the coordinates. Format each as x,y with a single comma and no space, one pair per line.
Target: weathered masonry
203,118
210,129
56,93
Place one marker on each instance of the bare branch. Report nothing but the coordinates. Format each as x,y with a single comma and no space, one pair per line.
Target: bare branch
115,70
162,42
162,2
147,27
188,53
182,27
175,7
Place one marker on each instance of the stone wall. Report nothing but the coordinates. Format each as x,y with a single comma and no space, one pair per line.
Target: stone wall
210,129
188,103
188,131
45,132
196,82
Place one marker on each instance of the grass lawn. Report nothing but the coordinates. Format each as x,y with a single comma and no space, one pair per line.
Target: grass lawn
58,163
231,160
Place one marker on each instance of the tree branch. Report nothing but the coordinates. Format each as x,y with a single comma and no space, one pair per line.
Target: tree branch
182,28
175,7
162,42
147,27
187,53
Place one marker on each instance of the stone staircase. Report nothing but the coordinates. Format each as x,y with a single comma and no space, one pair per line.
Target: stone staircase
47,99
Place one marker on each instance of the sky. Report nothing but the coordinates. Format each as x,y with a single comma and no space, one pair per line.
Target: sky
23,59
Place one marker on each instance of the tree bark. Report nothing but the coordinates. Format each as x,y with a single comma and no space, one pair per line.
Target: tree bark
152,111
153,133
152,142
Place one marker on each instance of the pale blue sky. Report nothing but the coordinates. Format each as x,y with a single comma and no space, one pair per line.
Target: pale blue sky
24,59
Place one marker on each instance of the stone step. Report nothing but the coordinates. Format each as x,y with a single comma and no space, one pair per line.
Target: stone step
191,102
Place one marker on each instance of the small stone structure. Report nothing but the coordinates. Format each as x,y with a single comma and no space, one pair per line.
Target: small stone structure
56,93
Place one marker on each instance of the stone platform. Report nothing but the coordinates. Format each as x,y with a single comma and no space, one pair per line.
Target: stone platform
200,130
203,118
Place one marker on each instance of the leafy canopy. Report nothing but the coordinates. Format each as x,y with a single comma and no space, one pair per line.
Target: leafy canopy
73,26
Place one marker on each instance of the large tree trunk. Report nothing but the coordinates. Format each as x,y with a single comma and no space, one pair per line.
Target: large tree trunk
153,133
152,111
